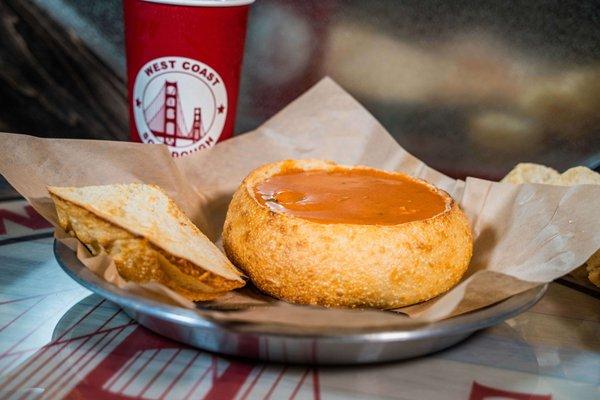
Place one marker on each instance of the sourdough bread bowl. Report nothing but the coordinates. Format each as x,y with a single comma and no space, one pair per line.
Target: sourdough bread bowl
349,260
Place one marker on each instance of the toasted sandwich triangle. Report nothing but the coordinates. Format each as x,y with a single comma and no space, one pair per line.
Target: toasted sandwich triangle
146,211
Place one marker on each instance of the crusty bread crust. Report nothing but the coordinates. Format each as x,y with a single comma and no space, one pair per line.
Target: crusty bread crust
136,256
146,211
346,265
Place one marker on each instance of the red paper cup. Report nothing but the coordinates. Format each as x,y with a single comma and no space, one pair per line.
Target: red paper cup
183,65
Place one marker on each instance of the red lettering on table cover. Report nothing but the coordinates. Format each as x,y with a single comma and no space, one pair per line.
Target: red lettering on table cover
224,386
481,392
227,376
31,220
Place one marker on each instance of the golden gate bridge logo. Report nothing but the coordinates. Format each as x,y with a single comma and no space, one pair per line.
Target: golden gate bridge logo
165,119
179,102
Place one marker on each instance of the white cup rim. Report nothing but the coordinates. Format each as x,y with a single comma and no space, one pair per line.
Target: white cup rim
204,3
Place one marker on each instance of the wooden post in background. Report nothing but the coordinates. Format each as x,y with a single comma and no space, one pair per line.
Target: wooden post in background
51,84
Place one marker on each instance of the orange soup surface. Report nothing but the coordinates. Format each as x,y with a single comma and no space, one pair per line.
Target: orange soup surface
354,196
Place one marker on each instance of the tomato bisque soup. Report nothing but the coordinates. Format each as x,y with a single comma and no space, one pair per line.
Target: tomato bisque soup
351,196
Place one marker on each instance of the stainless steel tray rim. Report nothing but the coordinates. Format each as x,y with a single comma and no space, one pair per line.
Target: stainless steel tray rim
456,325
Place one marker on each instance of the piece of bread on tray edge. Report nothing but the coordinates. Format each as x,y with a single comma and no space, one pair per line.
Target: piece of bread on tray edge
536,173
148,237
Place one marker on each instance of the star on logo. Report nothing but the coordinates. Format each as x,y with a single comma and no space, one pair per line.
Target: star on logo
138,102
221,108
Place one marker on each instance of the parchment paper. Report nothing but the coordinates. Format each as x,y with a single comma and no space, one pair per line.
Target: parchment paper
525,235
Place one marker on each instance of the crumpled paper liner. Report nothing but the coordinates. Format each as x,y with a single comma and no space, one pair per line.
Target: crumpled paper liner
525,235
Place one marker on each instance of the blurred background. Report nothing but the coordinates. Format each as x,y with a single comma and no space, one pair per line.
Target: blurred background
470,87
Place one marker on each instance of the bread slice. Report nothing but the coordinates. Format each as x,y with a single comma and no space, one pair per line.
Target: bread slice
577,176
531,173
148,237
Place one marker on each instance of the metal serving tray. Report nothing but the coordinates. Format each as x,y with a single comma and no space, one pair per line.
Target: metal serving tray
282,344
